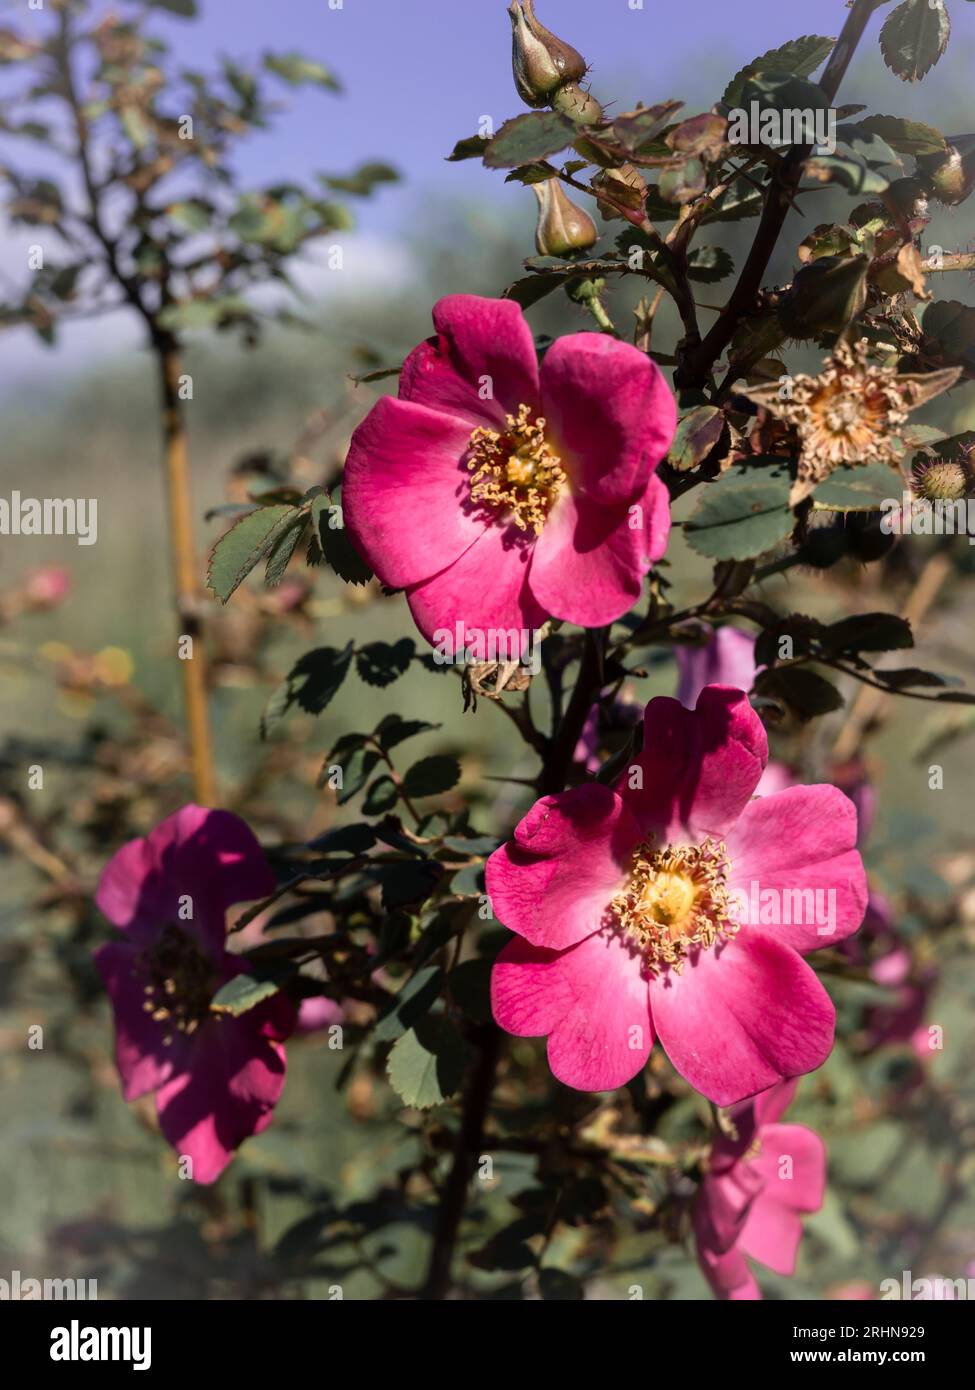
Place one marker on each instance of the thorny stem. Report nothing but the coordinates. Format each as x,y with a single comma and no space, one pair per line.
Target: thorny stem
699,361
488,1039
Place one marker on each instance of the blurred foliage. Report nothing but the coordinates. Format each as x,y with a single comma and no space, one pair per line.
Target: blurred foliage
588,1194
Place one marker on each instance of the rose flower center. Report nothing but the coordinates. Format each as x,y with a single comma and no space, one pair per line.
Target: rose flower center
675,900
180,982
516,473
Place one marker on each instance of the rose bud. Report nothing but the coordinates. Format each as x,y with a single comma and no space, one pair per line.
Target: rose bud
576,103
563,228
950,173
825,296
541,62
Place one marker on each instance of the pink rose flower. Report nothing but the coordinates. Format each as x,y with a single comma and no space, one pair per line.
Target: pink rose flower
217,1078
498,495
678,907
751,1197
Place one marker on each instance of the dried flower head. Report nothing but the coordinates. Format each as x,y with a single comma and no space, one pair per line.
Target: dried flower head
852,413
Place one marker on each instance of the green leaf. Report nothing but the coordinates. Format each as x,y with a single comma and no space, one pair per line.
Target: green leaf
243,992
426,1065
906,137
432,776
532,288
637,131
311,684
392,730
186,9
381,797
280,556
381,663
742,515
412,1003
805,692
364,180
800,56
193,213
248,541
296,70
347,839
914,37
709,264
471,148
527,138
329,522
355,760
697,434
783,91
863,488
950,325
855,175
408,882
868,632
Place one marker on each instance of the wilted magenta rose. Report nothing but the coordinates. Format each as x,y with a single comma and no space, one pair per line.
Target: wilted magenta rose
678,906
754,1192
217,1078
498,495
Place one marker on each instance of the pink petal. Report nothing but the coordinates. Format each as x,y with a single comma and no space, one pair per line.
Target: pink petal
482,597
729,1276
804,1190
589,561
798,847
772,1104
722,1205
591,1001
406,491
772,1228
124,893
611,415
210,858
699,767
741,1017
229,1095
571,854
483,345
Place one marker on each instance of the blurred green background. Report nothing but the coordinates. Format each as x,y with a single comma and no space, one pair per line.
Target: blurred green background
87,1189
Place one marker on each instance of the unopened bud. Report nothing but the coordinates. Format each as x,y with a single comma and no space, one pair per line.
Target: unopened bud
576,103
951,174
563,228
825,296
541,62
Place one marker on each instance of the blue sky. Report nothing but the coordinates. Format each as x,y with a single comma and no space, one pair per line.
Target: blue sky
420,74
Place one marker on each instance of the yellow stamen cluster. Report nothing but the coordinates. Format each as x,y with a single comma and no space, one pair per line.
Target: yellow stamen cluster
516,473
181,983
676,899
